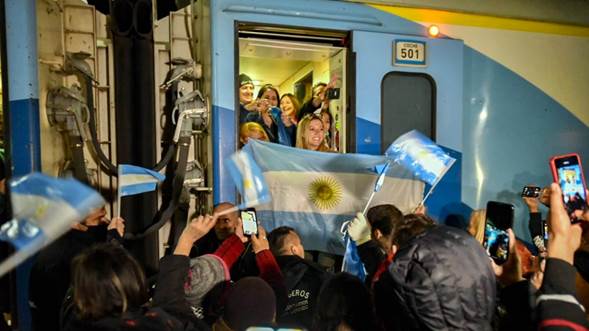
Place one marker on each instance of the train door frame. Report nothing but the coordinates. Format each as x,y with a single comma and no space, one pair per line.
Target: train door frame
289,31
11,277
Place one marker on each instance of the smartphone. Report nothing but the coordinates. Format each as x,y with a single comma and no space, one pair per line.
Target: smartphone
249,221
332,93
545,231
531,191
568,173
499,218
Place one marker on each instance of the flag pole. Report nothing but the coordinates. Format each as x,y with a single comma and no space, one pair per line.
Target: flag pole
377,186
368,203
431,190
118,214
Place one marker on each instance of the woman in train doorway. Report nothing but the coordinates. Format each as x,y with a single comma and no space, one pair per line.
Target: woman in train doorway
327,119
289,105
269,116
311,134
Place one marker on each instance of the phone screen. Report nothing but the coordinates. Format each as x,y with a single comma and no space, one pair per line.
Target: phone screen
496,243
249,221
570,180
531,191
499,218
500,214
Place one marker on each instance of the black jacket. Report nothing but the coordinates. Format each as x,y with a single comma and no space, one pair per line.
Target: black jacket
50,275
557,306
441,280
372,256
169,311
303,281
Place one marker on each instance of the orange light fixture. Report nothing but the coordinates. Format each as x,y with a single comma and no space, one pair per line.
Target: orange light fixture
433,31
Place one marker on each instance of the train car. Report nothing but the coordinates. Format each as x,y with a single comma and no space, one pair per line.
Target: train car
501,95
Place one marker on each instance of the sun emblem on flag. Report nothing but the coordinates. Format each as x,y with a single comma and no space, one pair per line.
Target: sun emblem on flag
248,184
41,210
325,192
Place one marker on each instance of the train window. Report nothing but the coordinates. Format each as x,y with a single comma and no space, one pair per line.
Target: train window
292,63
408,102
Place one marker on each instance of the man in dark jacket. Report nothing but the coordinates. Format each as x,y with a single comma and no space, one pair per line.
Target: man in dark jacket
303,278
440,280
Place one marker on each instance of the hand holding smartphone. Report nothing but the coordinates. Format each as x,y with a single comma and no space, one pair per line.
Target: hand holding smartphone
249,221
568,173
531,191
499,218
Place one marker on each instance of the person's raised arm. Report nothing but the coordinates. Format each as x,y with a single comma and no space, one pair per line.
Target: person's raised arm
557,305
169,293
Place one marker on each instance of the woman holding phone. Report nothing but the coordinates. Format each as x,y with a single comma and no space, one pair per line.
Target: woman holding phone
269,116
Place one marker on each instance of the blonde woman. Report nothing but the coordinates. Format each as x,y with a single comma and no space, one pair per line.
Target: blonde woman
251,130
310,134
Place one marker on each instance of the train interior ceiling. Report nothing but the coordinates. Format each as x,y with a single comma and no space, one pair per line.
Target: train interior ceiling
294,61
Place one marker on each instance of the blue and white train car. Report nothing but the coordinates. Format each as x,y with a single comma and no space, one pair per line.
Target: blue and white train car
501,95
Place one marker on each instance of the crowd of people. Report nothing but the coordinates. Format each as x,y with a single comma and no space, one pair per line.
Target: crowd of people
420,276
283,120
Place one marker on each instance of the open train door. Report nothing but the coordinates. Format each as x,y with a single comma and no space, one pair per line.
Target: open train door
405,82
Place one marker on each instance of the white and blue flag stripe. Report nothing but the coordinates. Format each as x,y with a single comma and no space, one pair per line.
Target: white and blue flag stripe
44,208
248,179
421,156
135,180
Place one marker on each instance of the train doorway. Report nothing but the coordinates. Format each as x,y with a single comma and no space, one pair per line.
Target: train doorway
294,62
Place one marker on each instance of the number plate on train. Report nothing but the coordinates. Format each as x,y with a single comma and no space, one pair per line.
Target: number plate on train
409,53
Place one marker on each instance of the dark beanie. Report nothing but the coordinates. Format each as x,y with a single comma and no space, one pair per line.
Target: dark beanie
250,302
245,79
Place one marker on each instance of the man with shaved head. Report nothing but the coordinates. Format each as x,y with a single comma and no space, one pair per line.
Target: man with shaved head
224,227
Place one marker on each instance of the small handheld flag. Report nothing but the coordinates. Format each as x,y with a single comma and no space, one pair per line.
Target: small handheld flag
44,208
418,154
135,180
421,156
248,178
352,263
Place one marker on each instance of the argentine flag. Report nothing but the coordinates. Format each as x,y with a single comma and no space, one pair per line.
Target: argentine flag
44,208
316,192
135,180
248,179
420,155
